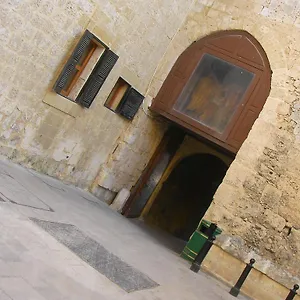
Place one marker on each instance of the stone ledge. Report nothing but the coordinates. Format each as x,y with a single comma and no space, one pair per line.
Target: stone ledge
225,267
63,104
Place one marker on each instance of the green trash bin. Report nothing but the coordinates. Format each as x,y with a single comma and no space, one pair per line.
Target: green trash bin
197,240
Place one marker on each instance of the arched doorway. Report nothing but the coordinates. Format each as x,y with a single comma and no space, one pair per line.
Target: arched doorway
187,194
214,92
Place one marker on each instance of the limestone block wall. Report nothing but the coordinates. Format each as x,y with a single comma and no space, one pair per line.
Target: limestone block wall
257,205
51,134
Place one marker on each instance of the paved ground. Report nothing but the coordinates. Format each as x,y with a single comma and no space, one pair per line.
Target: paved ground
36,262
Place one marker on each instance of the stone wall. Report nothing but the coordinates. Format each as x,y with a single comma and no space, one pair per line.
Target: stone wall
51,134
257,204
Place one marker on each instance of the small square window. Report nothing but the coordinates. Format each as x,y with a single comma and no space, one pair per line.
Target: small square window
117,94
124,99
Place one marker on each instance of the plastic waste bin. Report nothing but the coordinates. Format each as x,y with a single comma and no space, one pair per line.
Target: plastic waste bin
197,240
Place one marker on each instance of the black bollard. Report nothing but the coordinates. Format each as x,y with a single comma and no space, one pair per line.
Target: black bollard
211,230
202,254
236,289
292,292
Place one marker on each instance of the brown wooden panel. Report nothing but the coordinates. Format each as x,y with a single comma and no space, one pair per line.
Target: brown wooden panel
194,130
243,127
227,43
155,168
171,90
263,92
185,63
234,48
250,52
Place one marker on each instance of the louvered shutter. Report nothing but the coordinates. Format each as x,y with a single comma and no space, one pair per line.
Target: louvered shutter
130,104
69,67
97,78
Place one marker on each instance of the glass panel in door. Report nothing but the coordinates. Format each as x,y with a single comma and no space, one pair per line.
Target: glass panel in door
214,92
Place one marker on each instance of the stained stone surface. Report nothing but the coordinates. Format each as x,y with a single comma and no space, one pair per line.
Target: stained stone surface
108,264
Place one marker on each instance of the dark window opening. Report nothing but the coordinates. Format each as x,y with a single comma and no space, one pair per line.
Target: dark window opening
187,194
124,99
117,94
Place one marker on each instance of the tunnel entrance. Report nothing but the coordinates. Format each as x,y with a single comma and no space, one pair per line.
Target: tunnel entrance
186,194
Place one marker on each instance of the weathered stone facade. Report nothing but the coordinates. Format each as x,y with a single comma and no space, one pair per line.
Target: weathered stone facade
37,37
256,205
257,202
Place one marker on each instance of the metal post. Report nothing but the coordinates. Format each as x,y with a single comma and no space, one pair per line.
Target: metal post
293,292
236,289
202,254
211,230
206,247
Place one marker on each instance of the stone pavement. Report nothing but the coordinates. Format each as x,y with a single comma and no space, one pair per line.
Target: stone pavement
59,242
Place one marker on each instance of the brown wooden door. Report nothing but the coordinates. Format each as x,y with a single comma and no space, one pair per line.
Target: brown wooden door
217,88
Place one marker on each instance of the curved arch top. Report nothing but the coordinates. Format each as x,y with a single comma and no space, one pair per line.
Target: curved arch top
217,87
238,43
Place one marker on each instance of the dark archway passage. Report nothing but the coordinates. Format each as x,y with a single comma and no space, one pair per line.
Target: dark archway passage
187,194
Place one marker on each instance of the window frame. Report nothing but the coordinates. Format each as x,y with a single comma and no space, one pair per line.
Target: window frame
107,60
130,102
246,97
111,97
80,69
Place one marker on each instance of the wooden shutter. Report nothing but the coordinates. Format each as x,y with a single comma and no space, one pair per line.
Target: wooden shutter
69,67
130,103
97,78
